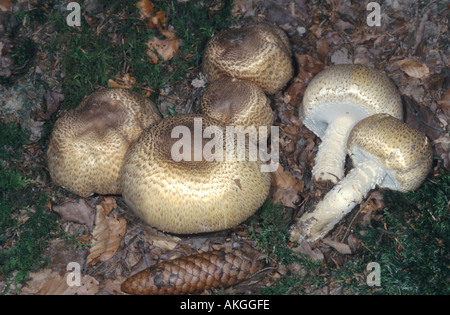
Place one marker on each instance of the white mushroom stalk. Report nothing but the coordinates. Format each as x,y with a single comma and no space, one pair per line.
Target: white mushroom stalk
330,158
385,152
342,199
335,100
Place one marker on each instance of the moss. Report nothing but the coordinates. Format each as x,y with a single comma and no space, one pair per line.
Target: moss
411,242
91,58
26,224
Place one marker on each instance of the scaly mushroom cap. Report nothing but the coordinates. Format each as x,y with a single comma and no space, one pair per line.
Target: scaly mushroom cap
257,52
238,103
403,150
352,89
88,144
192,195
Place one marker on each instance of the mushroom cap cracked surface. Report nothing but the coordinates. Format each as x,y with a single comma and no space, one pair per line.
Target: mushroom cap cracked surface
88,144
258,52
405,152
238,103
192,195
355,90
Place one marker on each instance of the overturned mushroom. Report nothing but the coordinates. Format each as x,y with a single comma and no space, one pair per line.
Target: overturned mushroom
88,144
238,103
178,180
257,52
334,101
385,152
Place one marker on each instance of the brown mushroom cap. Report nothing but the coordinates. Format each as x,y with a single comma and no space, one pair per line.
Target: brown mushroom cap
405,152
238,103
189,196
88,144
257,52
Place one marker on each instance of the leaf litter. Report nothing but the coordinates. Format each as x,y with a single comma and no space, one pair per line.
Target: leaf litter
408,48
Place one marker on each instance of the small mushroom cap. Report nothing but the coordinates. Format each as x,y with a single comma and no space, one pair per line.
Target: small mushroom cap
88,144
355,90
190,196
405,152
257,52
238,103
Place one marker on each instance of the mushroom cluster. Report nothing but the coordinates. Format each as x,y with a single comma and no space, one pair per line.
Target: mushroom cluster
357,110
179,174
385,152
242,64
197,193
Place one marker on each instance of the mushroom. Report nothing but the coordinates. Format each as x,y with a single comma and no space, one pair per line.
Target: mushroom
334,101
257,52
238,103
186,185
88,144
385,152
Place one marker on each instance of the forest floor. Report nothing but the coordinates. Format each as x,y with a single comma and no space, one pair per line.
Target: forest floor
155,48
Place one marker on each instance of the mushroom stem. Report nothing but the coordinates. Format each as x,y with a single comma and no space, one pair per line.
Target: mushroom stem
341,199
330,159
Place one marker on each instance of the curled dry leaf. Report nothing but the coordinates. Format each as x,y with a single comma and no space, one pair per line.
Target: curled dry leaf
285,187
147,9
124,82
5,5
444,102
414,68
162,48
107,234
340,247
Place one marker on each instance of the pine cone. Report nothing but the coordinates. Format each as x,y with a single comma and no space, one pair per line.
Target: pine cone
193,274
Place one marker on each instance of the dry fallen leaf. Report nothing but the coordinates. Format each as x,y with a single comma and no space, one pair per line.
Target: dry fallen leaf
162,48
147,8
5,5
159,239
340,247
125,82
76,211
444,102
414,68
109,204
285,187
157,21
107,235
46,282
